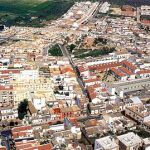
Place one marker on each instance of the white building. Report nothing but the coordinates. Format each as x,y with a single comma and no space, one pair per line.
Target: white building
138,113
29,74
39,103
129,141
106,143
145,10
8,114
104,7
120,88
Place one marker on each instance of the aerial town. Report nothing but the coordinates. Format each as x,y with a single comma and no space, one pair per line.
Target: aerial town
82,82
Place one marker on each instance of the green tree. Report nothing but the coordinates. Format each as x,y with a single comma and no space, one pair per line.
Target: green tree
22,109
72,47
148,101
96,53
55,51
11,123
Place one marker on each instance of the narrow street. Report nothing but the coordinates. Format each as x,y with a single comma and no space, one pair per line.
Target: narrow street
66,54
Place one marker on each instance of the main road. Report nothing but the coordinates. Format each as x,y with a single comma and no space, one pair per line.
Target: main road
67,54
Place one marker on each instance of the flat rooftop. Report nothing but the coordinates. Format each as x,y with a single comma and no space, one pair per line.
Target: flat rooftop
136,81
129,139
107,142
128,86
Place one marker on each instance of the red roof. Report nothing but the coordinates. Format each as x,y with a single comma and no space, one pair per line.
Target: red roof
104,90
117,72
81,69
40,147
24,146
67,69
20,134
91,92
3,148
92,95
129,65
143,71
21,128
57,110
25,142
103,67
45,147
94,86
125,70
4,76
8,71
6,87
147,22
30,146
91,80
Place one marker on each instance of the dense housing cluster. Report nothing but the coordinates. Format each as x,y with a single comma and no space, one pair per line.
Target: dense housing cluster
51,97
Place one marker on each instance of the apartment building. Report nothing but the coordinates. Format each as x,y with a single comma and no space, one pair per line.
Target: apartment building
22,133
138,113
8,114
30,88
120,88
129,141
6,95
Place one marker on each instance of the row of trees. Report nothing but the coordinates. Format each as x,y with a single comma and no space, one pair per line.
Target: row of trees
96,53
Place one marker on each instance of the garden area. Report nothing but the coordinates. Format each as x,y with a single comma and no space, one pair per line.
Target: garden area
55,51
96,52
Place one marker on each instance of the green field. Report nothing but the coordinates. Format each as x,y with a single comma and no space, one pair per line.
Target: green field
31,12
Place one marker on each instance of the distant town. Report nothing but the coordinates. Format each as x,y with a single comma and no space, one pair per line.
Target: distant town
81,82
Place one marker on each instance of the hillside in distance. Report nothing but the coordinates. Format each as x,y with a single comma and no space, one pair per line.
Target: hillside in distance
31,12
130,2
35,12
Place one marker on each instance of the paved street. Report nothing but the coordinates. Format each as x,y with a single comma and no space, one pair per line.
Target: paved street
66,54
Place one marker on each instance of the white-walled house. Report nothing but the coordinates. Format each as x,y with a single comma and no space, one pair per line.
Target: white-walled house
8,114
